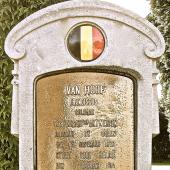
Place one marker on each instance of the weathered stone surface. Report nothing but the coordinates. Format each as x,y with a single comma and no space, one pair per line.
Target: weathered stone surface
89,120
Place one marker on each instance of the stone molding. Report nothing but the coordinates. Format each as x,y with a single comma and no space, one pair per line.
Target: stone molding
85,8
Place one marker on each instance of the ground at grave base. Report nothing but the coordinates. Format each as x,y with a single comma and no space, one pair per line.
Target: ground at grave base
156,167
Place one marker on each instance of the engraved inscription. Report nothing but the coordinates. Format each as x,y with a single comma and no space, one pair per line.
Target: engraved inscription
85,121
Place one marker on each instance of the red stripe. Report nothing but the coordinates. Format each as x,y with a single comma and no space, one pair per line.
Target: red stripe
98,42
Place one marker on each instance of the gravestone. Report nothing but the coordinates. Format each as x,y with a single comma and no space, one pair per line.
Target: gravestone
84,87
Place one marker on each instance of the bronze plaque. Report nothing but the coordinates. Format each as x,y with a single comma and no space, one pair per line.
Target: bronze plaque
85,121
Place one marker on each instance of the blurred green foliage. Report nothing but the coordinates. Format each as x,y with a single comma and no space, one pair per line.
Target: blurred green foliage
160,17
11,12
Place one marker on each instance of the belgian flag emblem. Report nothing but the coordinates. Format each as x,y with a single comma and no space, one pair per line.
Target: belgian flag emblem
86,42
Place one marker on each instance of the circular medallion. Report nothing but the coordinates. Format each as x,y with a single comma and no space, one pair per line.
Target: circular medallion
86,42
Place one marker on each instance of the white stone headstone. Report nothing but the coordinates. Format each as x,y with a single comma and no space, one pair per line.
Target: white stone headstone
125,71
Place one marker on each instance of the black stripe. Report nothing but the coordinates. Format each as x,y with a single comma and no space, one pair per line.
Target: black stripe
74,43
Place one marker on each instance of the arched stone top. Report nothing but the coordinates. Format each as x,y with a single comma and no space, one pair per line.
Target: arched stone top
83,8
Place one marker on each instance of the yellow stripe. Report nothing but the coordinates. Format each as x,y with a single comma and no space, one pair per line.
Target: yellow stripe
86,43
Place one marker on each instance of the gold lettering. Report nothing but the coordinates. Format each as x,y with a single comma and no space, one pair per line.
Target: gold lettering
72,90
94,89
